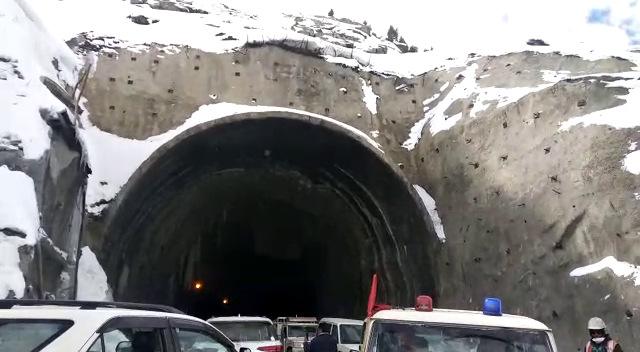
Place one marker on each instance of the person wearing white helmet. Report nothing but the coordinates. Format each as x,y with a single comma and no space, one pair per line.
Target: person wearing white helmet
600,341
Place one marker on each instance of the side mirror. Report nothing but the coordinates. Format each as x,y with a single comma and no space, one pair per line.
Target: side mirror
124,346
244,349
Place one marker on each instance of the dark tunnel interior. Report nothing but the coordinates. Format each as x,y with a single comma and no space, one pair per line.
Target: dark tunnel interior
275,216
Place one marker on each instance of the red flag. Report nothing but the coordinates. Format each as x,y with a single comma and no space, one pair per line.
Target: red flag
372,295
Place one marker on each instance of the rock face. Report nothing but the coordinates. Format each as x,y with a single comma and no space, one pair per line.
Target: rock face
522,203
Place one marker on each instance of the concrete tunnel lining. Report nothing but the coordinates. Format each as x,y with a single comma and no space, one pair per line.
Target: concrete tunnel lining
369,198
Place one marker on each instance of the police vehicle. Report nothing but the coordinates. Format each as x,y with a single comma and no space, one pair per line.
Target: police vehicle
83,326
423,328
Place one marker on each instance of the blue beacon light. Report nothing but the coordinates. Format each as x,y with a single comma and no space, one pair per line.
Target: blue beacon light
492,306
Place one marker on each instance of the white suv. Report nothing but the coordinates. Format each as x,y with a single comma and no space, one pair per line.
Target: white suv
79,326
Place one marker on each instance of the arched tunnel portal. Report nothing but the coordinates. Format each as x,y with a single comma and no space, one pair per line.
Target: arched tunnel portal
273,213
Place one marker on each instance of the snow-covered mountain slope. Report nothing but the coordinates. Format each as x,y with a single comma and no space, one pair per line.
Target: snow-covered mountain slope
217,28
214,26
28,53
23,98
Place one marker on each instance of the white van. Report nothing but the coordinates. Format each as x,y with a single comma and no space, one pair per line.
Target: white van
424,328
348,332
256,333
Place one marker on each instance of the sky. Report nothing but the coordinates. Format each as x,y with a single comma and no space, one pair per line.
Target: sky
422,22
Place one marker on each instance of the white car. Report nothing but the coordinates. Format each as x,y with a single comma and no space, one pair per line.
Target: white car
255,333
424,328
348,332
80,326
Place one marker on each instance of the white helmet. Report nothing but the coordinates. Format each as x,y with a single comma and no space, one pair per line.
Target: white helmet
596,323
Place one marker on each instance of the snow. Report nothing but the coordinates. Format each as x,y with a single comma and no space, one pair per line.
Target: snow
631,162
370,99
621,269
430,204
622,116
431,100
436,117
109,18
483,97
92,280
18,212
466,88
633,146
114,159
504,96
26,54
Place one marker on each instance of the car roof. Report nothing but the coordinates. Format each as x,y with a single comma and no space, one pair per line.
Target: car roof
239,319
461,317
341,321
76,313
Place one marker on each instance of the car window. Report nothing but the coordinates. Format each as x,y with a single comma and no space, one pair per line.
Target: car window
241,331
30,335
350,334
297,331
324,327
334,331
129,340
198,341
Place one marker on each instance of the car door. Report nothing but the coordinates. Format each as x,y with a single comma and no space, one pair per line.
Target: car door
335,333
119,334
191,336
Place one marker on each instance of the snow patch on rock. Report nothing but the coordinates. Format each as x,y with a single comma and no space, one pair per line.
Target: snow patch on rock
622,116
619,268
436,117
430,204
631,162
19,226
370,99
92,280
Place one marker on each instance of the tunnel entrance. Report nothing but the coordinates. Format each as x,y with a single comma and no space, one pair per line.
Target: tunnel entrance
269,214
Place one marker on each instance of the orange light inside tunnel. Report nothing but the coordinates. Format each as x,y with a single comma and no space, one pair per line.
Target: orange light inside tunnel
197,285
225,301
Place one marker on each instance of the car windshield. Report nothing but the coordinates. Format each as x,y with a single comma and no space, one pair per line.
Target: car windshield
417,337
29,336
350,334
301,330
239,331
